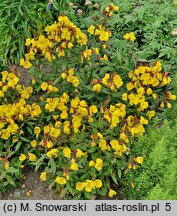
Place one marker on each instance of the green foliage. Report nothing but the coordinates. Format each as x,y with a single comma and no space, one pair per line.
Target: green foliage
19,20
157,177
153,23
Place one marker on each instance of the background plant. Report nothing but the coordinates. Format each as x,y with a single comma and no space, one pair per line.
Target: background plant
156,179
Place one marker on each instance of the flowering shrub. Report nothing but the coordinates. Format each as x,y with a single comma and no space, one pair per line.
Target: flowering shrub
80,131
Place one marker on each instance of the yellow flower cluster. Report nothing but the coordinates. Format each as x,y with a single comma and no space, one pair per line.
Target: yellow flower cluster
62,34
88,53
114,113
129,36
110,9
89,185
49,88
13,113
113,81
118,146
144,80
135,125
9,80
98,165
76,111
31,157
100,31
70,78
60,180
52,153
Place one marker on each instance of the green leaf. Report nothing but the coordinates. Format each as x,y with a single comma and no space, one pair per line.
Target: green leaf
91,150
119,173
39,162
70,189
10,180
12,170
102,191
114,179
25,139
88,195
53,165
30,130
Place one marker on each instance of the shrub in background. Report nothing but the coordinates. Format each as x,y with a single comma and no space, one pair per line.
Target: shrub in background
156,178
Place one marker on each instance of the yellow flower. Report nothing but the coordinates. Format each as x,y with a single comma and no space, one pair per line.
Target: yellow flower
70,45
63,75
151,114
32,157
126,36
44,86
60,180
115,144
25,64
169,106
1,125
89,185
28,42
129,36
75,81
79,153
67,152
139,160
74,166
1,94
132,36
99,164
129,86
75,102
102,144
117,81
98,183
22,157
79,186
93,109
43,176
97,88
100,136
96,51
124,137
91,29
124,96
149,91
37,131
162,104
47,129
143,120
112,193
33,143
104,35
144,105
64,114
52,152
154,95
91,163
49,144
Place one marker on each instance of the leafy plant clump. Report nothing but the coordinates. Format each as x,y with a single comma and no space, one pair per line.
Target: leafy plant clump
79,132
156,179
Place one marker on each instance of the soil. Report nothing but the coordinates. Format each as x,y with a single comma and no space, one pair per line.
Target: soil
32,188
